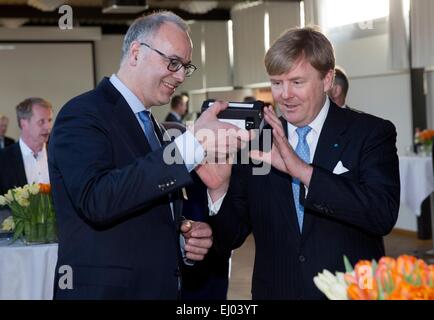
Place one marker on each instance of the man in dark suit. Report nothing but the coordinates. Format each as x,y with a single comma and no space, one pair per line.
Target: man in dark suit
338,92
12,173
117,184
4,140
333,189
26,161
178,108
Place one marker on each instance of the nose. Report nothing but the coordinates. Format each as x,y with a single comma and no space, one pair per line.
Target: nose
287,91
180,74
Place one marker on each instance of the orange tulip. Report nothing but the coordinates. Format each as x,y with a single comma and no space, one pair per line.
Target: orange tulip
45,188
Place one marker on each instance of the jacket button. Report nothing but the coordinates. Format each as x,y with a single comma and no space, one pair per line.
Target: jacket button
301,258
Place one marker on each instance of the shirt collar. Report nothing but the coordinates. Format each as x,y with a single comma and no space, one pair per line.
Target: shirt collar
317,123
135,104
26,151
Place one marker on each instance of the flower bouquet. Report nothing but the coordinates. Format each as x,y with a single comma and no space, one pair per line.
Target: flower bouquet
404,278
33,216
424,139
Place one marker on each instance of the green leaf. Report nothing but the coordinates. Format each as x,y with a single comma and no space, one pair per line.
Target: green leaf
348,267
19,227
374,266
380,291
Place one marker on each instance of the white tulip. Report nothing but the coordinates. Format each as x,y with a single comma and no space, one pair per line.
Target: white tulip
3,201
8,224
334,287
34,188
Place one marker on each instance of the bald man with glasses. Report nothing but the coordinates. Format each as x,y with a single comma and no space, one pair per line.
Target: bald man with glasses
117,181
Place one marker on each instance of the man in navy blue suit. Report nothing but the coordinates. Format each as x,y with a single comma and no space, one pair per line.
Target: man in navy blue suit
333,189
4,140
178,109
117,182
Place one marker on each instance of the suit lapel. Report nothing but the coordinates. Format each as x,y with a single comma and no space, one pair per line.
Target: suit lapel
21,172
328,152
133,135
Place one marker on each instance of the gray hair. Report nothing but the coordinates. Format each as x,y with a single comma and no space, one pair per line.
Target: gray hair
146,26
25,108
4,118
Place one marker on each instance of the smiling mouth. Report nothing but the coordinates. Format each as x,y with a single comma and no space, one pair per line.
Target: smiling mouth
169,85
291,106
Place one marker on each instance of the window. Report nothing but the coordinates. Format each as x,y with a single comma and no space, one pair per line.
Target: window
343,12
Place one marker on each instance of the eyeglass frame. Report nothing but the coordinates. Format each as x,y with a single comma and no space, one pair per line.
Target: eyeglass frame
187,66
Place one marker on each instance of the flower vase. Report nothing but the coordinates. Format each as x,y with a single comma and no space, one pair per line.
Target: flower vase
37,232
31,232
51,231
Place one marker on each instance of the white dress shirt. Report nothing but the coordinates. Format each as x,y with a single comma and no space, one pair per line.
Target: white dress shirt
35,165
312,141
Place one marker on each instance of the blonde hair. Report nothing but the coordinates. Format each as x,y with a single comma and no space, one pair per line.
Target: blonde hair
308,43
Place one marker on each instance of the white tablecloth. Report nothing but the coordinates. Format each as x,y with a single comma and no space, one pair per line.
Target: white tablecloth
27,272
417,181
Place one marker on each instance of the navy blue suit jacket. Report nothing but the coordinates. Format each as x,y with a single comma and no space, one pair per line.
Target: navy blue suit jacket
171,118
12,171
346,214
111,195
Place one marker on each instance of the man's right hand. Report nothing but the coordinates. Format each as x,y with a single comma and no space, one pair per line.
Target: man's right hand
218,139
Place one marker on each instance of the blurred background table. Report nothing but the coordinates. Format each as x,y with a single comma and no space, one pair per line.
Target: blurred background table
417,184
27,272
417,181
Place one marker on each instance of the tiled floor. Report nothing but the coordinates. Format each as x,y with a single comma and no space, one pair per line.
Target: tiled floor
398,242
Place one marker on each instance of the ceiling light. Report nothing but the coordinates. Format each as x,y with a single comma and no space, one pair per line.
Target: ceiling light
45,5
198,7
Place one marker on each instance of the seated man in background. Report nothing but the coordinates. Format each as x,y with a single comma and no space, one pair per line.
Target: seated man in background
178,106
26,161
4,141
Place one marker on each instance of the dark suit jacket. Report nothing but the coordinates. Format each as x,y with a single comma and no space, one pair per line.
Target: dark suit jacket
207,279
111,195
345,214
171,118
8,141
12,172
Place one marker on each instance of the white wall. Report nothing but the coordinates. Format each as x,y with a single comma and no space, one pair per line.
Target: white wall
47,66
54,71
108,55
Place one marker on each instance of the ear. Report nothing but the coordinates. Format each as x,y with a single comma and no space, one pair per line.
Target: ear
328,80
23,123
133,53
338,90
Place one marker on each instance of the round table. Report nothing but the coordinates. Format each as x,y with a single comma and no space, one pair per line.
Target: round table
27,272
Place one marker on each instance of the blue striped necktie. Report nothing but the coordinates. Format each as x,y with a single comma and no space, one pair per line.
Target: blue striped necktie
302,150
145,117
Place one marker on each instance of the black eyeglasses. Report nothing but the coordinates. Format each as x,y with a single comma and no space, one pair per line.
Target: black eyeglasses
174,64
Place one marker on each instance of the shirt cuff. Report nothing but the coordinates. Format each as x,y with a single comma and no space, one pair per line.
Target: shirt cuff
187,261
214,208
190,149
